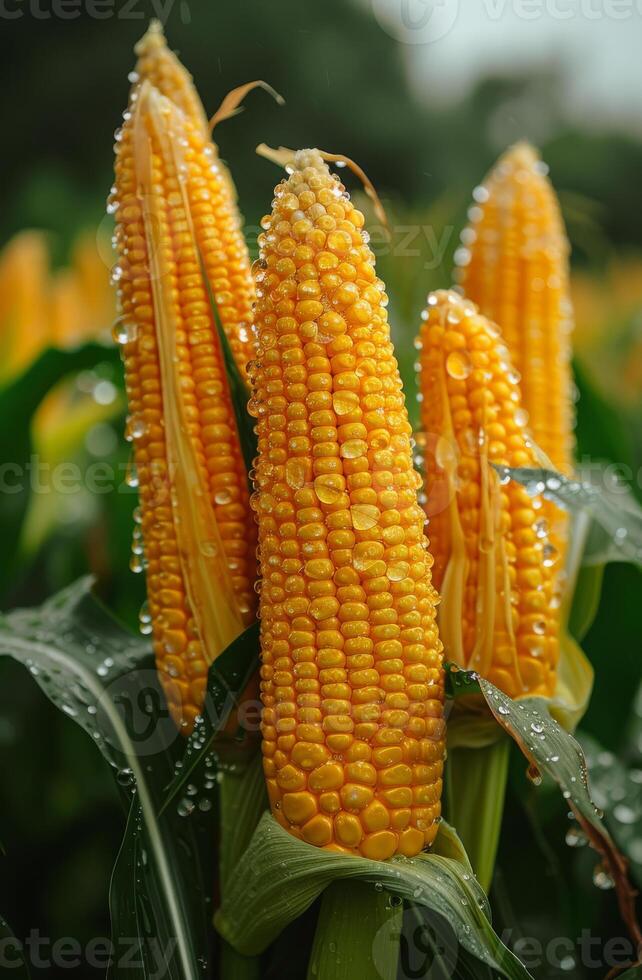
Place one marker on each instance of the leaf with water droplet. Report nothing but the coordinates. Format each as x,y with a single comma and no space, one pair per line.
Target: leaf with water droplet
290,874
615,517
104,679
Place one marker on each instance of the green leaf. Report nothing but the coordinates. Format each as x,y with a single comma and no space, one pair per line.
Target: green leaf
475,784
19,401
279,877
552,751
227,680
615,532
617,790
586,600
104,679
600,431
357,935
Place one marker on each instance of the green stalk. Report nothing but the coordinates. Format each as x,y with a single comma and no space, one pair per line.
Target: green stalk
475,790
241,801
357,934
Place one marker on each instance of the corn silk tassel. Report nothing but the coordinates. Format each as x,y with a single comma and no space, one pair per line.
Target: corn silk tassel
175,237
352,681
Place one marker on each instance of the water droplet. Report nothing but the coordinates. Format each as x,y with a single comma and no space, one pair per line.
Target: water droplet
624,813
575,837
602,879
458,365
125,777
296,472
353,448
124,331
364,516
534,775
398,571
345,402
131,476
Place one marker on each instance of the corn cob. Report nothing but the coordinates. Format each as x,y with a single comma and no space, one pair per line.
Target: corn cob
514,264
494,566
196,522
352,684
221,241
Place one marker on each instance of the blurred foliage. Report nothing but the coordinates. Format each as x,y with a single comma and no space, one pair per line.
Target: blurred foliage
346,90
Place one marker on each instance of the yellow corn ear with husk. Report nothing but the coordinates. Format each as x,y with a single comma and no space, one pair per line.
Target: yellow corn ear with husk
352,681
514,264
495,566
221,240
160,67
195,518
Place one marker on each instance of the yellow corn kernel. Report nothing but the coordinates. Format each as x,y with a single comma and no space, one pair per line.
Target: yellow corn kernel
196,522
339,591
495,567
514,265
218,223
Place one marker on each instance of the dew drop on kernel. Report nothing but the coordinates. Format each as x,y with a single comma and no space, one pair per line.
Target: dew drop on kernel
327,493
344,402
364,516
458,365
123,331
296,473
353,448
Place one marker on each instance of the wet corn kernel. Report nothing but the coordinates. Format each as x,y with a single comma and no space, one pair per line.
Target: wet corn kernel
216,218
495,567
351,671
195,515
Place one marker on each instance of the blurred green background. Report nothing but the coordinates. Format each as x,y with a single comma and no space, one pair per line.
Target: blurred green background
425,138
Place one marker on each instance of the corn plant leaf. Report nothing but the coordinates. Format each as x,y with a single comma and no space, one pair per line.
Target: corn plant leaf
19,401
279,877
552,751
615,527
229,687
617,789
104,679
586,600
